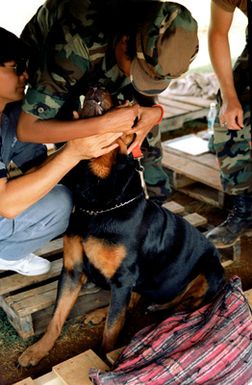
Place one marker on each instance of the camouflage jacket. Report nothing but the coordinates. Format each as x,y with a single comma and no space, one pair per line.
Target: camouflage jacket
68,47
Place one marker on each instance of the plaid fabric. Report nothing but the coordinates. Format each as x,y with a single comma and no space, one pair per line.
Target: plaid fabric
211,346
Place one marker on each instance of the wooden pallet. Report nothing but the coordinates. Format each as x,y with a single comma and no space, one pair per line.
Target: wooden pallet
196,176
29,301
180,109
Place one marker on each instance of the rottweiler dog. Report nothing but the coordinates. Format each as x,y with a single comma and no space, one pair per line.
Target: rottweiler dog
129,244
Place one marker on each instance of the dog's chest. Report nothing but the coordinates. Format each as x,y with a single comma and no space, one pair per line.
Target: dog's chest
105,257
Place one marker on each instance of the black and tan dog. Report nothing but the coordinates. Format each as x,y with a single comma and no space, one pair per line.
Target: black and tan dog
120,240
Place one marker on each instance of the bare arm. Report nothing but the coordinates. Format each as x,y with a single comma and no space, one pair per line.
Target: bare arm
219,50
18,194
32,129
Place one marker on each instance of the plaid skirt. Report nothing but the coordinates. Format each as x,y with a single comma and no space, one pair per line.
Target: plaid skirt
210,346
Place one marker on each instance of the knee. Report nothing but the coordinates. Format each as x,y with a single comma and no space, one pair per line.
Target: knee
62,200
59,203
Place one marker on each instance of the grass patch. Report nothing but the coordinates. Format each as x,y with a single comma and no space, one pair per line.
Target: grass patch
9,336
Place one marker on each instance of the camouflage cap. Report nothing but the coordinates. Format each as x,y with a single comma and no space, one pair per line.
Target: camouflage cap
12,47
165,48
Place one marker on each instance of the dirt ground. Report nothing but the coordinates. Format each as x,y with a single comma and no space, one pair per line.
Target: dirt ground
78,336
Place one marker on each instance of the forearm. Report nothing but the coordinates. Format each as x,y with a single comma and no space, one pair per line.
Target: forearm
31,129
219,52
20,193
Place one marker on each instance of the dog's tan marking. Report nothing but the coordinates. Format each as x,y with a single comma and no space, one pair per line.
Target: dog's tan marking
190,298
102,165
73,251
196,291
134,299
106,258
112,331
193,294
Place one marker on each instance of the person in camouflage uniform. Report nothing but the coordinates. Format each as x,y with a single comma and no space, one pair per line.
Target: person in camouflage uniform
132,48
232,137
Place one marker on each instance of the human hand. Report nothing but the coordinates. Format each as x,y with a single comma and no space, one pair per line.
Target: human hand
93,146
120,119
231,114
148,118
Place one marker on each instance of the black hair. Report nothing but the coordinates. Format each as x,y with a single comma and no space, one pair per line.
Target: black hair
12,47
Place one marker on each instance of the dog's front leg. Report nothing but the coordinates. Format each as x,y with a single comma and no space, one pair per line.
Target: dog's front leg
70,283
120,298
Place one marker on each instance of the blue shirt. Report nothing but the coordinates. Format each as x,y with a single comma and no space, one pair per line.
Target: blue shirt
24,155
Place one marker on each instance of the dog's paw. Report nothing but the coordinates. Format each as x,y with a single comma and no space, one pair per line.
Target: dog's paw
97,316
31,356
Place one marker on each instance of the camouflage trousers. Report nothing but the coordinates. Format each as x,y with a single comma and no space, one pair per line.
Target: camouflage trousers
233,149
156,178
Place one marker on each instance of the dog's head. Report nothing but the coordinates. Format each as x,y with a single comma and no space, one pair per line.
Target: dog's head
97,102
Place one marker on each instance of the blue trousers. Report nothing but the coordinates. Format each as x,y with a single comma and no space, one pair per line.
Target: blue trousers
37,225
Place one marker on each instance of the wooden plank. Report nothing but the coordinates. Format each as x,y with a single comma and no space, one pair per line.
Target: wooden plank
53,247
196,219
193,170
26,381
48,379
180,181
17,281
30,301
227,263
174,207
75,370
205,194
33,300
248,295
112,356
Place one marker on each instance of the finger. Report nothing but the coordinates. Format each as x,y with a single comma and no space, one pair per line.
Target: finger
109,148
133,145
240,120
109,136
105,142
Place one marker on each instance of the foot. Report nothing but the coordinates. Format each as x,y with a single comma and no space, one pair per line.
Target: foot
224,236
29,265
238,221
